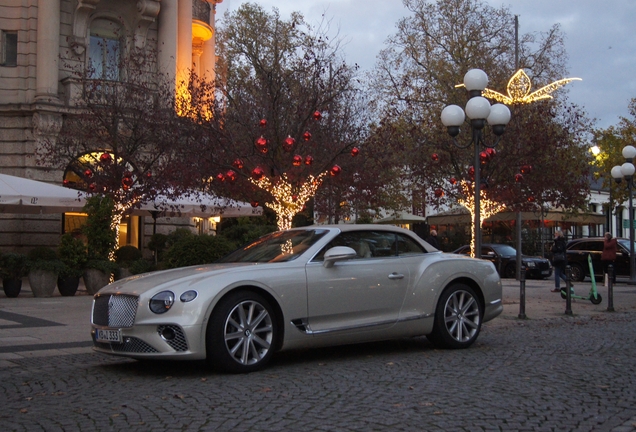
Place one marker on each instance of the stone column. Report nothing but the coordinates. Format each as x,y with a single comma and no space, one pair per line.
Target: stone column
167,37
48,50
184,40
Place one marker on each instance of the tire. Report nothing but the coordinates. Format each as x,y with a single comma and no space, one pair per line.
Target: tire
458,318
510,271
596,300
578,274
242,333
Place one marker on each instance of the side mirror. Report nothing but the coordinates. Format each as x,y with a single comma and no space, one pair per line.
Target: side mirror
338,253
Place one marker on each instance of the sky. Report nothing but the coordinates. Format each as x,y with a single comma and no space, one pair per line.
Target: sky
600,40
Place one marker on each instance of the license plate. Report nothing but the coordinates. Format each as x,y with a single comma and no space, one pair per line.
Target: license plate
545,272
108,336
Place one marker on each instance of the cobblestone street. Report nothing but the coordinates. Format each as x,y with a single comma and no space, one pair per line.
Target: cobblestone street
552,374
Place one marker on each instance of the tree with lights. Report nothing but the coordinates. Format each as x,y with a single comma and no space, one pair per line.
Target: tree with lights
123,139
541,159
286,109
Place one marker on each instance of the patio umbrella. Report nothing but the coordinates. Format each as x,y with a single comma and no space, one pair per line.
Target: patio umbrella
192,206
401,218
21,195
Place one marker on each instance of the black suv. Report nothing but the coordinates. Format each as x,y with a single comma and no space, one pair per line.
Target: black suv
579,249
504,257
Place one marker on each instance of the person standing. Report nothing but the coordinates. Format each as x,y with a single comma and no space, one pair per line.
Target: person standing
432,239
609,254
558,259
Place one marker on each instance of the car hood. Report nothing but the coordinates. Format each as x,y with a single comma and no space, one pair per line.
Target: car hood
185,276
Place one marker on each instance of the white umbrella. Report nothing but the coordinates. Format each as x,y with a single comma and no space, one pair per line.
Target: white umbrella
401,218
20,195
191,206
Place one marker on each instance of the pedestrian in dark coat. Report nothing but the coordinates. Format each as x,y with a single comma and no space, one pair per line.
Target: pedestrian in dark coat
558,259
432,239
608,256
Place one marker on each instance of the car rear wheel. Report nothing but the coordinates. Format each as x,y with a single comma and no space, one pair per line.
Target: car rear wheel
457,318
510,271
242,333
577,273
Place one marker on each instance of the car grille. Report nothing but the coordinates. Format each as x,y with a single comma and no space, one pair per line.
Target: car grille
115,310
179,342
130,345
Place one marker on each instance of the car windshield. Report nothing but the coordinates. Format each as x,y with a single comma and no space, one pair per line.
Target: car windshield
280,246
505,250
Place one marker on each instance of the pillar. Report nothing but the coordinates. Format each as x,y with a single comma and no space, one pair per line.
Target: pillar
48,50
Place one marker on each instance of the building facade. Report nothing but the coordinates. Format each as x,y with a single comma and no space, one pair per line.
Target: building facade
43,41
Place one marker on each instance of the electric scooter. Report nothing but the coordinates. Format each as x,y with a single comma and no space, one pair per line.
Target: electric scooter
593,296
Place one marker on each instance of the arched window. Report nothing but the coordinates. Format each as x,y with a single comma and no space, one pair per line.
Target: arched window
104,54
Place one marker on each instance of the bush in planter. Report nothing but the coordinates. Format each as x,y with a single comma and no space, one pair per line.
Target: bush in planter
44,267
72,253
13,267
101,240
124,257
97,274
197,249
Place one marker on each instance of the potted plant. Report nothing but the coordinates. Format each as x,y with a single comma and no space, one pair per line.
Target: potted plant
101,240
125,256
72,253
13,267
44,267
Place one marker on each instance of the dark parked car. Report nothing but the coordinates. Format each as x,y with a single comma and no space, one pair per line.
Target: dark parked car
579,249
504,257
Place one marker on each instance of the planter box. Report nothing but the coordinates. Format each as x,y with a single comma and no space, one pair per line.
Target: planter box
95,280
42,282
67,286
12,287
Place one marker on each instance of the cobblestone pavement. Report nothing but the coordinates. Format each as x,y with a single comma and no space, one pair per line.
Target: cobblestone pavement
553,373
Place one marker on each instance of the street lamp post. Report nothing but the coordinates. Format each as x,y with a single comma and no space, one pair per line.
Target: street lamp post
479,111
627,171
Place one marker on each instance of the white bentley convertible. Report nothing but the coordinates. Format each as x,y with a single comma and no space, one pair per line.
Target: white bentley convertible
305,287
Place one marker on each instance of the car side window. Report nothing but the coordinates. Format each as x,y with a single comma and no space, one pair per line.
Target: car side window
408,246
373,244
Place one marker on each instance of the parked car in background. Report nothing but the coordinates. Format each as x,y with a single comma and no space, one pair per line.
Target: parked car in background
578,250
305,287
504,257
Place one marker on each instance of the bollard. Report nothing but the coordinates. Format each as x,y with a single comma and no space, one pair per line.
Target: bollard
610,288
568,290
522,292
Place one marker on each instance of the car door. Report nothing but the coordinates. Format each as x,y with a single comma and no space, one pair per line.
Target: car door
366,291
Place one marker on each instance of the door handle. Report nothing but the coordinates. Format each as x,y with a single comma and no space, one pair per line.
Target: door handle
396,276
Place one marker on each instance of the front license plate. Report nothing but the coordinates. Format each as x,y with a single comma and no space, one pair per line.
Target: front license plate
545,272
108,336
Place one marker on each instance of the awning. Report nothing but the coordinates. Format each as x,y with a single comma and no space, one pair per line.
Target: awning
463,217
25,196
401,218
192,206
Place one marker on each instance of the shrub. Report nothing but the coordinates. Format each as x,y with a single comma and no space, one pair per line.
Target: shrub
242,234
125,255
141,266
44,258
72,253
100,236
200,249
13,265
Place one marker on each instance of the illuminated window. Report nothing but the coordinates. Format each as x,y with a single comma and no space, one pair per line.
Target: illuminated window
9,48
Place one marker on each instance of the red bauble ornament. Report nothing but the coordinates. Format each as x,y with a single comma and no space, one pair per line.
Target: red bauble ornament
471,171
491,152
307,136
149,174
220,177
261,143
105,158
65,182
92,186
435,157
525,169
317,115
254,203
258,173
231,175
453,180
262,123
298,160
530,199
127,181
335,170
439,193
355,151
88,173
288,144
518,178
483,156
309,160
238,164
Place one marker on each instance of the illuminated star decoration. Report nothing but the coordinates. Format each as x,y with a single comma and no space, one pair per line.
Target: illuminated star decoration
487,208
519,88
288,201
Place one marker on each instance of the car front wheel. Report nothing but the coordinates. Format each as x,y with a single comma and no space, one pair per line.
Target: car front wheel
241,333
457,318
577,273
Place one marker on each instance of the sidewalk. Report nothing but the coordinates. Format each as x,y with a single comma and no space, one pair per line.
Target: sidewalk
42,327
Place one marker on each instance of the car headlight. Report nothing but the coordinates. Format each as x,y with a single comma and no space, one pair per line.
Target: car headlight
162,302
531,264
188,296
